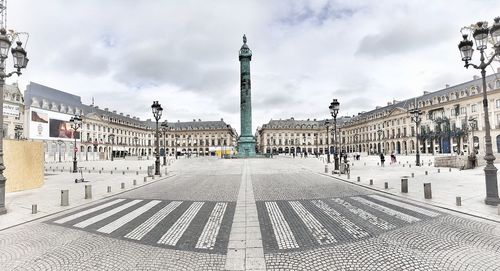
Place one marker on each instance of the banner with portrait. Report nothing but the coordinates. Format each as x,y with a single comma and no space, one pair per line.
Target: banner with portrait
44,124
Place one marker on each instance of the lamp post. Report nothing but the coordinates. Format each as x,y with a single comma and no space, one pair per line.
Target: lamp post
334,110
380,134
20,62
135,141
416,116
480,33
157,110
164,129
111,138
59,142
18,131
356,136
327,124
76,123
176,145
473,126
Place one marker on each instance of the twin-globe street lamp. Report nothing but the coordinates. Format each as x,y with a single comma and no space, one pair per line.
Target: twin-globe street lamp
381,143
334,110
76,123
416,116
164,129
20,62
481,34
111,138
157,110
473,126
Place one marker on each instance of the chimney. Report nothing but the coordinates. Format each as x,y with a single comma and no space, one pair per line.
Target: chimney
377,107
128,115
97,107
426,92
388,103
475,77
194,120
106,109
121,114
221,119
114,111
446,86
148,120
199,119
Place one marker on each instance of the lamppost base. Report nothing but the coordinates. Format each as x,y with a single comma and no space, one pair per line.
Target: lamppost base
492,201
3,210
336,163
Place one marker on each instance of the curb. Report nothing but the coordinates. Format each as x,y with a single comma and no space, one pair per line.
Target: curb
410,199
88,203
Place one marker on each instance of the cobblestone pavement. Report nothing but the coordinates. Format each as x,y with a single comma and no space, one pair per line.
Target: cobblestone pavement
299,221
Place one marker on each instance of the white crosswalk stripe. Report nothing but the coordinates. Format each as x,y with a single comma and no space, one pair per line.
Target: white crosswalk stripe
315,227
374,220
172,236
281,229
107,214
139,232
389,211
111,227
406,206
209,233
350,227
86,212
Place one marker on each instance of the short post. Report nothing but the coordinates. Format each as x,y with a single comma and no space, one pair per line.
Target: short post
88,191
123,185
137,173
365,163
109,189
127,168
115,168
450,169
377,163
459,201
386,185
165,171
371,181
111,172
426,173
123,173
154,177
145,178
348,175
326,168
34,209
404,185
439,170
403,165
134,182
359,179
99,172
65,197
409,165
427,191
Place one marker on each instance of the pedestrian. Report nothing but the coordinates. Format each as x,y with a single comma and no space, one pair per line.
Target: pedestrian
382,159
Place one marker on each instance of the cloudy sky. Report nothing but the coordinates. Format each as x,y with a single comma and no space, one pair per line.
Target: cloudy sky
184,53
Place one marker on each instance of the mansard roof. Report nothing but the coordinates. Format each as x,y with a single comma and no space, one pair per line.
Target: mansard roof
292,123
193,125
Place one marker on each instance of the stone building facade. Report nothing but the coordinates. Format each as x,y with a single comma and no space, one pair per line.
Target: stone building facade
291,136
13,112
105,133
452,122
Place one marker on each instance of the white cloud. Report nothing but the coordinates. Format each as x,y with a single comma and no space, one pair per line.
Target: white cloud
185,53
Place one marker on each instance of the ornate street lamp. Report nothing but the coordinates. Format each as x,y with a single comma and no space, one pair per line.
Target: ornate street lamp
480,33
76,123
18,131
327,124
111,138
334,110
135,141
157,110
380,136
416,116
20,62
164,129
60,142
473,126
356,136
176,145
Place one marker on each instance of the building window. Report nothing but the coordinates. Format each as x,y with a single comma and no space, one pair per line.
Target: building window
463,110
473,108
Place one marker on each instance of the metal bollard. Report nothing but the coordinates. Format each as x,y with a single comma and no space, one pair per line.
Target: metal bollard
64,197
146,179
403,165
154,177
404,185
109,189
115,168
89,171
99,172
365,163
427,191
127,168
139,168
459,201
348,175
413,175
123,185
165,171
88,191
450,169
111,172
371,181
426,173
123,173
134,182
386,185
409,165
377,163
137,173
499,209
34,209
439,170
400,162
359,179
326,168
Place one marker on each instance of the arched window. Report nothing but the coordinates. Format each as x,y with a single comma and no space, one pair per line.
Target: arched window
498,143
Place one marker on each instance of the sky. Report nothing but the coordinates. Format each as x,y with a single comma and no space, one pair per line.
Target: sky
184,53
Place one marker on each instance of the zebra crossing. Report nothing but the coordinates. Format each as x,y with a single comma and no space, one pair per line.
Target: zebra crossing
305,224
185,225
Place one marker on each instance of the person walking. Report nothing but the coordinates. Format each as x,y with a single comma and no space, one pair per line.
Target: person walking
382,159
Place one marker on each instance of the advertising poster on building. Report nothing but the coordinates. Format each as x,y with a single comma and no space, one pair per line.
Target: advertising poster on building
10,110
46,125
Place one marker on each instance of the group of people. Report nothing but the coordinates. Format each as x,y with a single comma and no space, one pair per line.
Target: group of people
382,159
